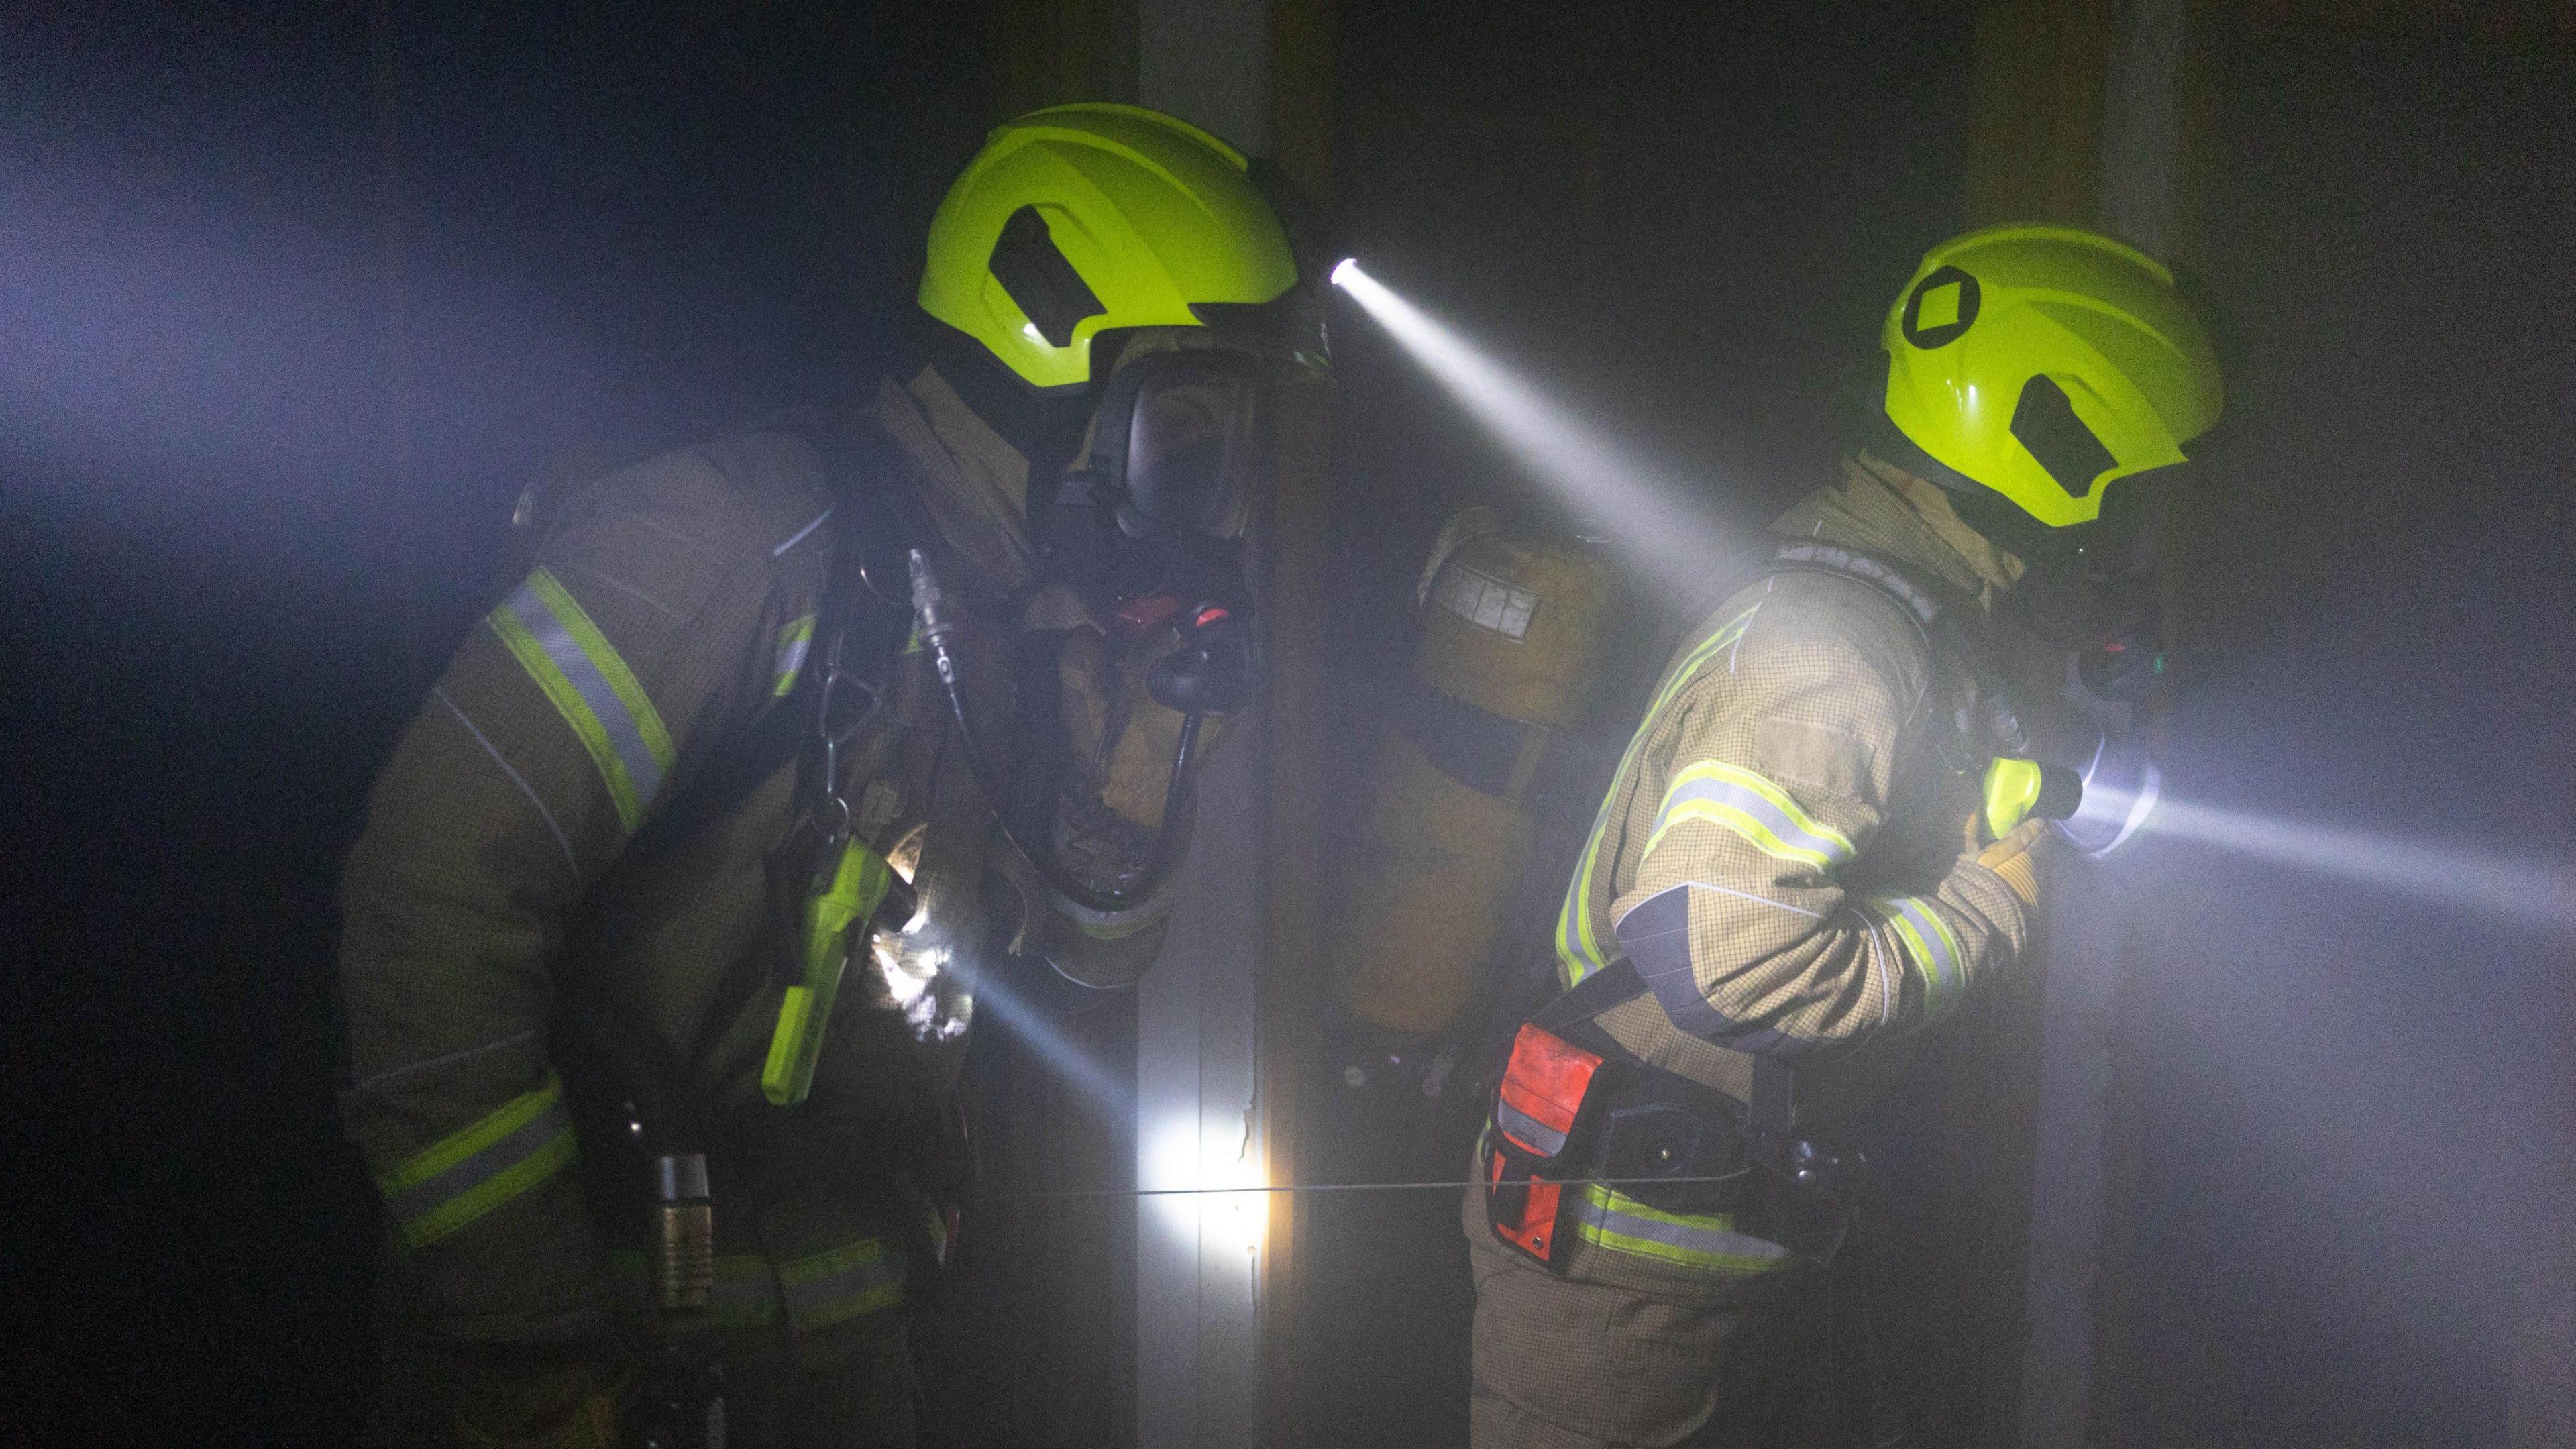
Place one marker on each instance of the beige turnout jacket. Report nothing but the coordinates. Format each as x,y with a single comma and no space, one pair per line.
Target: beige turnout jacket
1781,852
670,607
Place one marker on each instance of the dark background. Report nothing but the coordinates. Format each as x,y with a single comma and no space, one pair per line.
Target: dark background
616,228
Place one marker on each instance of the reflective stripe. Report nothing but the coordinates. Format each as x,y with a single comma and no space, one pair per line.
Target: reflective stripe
1530,1132
799,535
744,1296
503,1154
839,1285
1768,817
794,642
1929,948
1607,1218
833,1286
1578,945
572,662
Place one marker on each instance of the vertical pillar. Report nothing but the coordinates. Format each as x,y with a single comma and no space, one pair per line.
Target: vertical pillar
2540,1409
1221,1017
2080,116
1047,1352
2034,139
1296,746
1199,1105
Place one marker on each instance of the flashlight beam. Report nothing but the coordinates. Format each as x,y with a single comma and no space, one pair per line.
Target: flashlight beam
998,999
2521,890
1639,503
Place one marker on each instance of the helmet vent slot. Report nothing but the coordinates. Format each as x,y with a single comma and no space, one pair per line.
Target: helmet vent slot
1039,277
2045,423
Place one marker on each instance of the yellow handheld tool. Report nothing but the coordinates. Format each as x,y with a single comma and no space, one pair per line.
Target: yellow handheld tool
858,884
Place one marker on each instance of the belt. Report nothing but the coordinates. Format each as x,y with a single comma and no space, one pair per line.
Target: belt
1650,1146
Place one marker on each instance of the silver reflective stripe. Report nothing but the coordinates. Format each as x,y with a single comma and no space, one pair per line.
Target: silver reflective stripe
412,1204
743,1297
794,643
1926,931
446,1058
1730,795
824,1289
799,536
624,734
829,1287
1577,944
1530,1132
1605,1225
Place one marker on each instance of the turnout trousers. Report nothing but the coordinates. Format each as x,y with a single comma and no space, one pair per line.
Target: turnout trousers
1629,1350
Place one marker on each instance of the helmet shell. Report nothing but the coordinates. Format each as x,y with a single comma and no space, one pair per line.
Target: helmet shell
1153,216
2003,333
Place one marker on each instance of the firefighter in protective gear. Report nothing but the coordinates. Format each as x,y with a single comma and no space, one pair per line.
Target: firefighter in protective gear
689,769
1790,879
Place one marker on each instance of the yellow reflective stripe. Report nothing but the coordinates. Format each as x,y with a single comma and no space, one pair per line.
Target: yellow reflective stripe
833,1286
1929,947
794,643
492,1160
588,683
744,1297
1610,1219
1578,944
610,664
1768,817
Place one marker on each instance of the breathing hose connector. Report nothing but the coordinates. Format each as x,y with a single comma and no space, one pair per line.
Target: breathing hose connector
934,614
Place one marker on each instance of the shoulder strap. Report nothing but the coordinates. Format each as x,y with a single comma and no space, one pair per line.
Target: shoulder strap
848,614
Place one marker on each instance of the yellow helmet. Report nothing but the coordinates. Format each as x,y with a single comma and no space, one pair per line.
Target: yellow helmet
1079,219
2040,365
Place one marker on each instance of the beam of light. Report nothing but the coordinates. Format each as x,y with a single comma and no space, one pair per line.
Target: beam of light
1648,516
997,998
1638,504
2525,891
1208,1182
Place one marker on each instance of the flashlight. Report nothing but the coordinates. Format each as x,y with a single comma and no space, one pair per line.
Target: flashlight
2096,808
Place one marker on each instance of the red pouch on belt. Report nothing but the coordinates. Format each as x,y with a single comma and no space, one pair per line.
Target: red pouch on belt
1537,1113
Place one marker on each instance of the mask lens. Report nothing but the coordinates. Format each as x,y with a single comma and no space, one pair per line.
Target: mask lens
1194,445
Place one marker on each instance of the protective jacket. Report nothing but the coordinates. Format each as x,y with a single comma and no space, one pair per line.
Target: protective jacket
1789,827
1780,860
671,607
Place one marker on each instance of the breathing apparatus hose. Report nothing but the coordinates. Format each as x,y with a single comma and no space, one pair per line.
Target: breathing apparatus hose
937,620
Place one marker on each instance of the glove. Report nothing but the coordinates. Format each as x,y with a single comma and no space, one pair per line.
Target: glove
2010,856
537,1396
